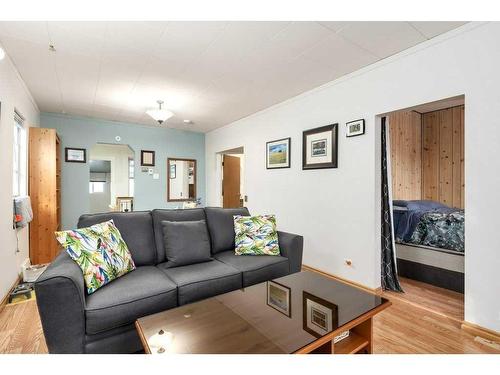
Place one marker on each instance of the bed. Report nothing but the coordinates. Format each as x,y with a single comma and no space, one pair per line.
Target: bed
430,243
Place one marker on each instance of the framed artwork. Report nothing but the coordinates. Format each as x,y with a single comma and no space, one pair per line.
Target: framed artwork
147,158
173,171
75,155
278,153
320,147
279,298
125,204
355,128
319,316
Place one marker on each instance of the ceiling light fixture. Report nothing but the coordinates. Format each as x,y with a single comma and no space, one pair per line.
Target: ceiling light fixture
160,114
187,122
2,53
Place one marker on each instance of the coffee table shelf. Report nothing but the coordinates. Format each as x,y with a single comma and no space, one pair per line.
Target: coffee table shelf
351,345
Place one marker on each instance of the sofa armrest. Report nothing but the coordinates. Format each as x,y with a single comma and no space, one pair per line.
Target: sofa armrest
60,296
291,247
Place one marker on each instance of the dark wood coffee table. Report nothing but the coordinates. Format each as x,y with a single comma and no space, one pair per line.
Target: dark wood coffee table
298,313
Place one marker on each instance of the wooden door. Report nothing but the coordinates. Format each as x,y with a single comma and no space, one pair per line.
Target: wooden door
230,181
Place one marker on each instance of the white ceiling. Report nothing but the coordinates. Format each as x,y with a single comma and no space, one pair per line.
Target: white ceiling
209,72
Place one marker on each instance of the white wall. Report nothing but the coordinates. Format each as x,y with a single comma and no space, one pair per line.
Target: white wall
338,210
13,95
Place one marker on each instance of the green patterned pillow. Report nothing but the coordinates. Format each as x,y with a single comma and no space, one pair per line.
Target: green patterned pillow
256,235
100,251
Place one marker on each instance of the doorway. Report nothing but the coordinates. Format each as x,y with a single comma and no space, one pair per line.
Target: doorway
426,178
232,180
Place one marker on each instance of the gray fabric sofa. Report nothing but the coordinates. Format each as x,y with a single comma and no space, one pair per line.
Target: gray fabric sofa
103,322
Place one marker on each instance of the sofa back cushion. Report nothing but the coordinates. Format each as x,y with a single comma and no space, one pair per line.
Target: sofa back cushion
221,226
136,229
193,214
186,242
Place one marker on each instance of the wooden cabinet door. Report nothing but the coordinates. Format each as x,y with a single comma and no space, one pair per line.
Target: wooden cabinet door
42,167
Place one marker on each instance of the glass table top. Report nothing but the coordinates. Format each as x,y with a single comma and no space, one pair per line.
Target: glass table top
279,316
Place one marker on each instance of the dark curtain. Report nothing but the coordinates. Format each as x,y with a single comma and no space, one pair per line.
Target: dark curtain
390,279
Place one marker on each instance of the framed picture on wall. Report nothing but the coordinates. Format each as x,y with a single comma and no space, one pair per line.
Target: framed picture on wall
147,158
278,153
320,147
355,128
75,155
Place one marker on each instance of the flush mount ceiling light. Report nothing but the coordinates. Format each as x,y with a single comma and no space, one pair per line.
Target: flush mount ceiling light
2,53
160,114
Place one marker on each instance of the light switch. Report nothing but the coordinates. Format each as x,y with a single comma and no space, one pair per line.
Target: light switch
156,176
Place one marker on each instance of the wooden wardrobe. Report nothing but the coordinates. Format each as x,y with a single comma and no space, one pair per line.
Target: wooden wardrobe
44,165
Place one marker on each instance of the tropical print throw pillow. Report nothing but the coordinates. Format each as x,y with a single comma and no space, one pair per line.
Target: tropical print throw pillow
256,235
100,251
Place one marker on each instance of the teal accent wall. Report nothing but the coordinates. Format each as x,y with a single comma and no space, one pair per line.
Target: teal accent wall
81,132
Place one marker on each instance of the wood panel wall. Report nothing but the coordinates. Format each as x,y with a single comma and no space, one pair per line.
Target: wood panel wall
406,154
443,156
427,155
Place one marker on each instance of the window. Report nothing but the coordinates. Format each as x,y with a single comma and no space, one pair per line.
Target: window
19,157
131,165
96,187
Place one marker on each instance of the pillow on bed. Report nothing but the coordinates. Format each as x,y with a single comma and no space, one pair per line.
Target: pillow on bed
400,203
416,205
424,205
399,208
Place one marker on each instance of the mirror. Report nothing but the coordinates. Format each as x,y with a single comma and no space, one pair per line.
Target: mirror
111,183
181,185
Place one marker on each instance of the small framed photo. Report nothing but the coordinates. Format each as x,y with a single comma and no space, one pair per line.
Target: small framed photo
147,158
75,155
278,153
355,128
173,171
320,147
279,298
319,316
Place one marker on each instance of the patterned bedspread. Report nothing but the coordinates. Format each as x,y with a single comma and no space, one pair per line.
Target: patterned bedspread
443,230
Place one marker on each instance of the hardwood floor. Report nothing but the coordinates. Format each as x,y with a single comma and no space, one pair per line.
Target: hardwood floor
408,326
21,330
438,300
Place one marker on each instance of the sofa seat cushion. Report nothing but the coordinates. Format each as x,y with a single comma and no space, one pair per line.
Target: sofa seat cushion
202,280
256,268
144,291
